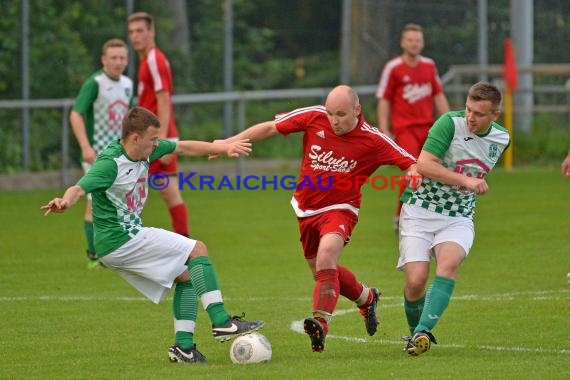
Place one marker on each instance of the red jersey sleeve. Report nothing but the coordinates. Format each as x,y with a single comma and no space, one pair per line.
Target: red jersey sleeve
297,120
390,153
160,72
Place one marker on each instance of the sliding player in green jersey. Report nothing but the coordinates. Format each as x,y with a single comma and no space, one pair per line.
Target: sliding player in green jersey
436,221
153,259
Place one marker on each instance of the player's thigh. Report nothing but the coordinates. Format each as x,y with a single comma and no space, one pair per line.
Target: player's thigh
458,230
153,253
417,233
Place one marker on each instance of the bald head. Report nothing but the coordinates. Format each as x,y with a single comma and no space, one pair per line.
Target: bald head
343,109
343,93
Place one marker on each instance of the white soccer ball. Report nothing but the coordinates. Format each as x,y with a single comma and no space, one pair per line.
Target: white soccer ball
250,348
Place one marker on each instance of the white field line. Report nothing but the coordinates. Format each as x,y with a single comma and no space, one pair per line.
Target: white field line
536,295
297,326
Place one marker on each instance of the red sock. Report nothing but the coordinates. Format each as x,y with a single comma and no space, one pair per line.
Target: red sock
179,217
324,324
350,287
325,295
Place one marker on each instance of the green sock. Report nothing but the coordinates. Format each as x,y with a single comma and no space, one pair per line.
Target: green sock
413,311
205,281
185,310
437,299
88,228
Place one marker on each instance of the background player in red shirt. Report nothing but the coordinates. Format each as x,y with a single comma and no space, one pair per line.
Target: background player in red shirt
154,94
337,144
409,88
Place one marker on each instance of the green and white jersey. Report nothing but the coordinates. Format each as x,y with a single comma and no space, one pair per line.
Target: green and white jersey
103,102
118,186
463,152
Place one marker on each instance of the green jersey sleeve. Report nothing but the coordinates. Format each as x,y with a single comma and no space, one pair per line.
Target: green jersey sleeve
164,147
440,136
87,95
100,177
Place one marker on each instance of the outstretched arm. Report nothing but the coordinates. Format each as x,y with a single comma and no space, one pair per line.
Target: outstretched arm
201,148
257,132
430,166
59,205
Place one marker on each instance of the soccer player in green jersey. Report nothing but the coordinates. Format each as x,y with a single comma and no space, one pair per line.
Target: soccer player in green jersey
104,99
436,221
153,259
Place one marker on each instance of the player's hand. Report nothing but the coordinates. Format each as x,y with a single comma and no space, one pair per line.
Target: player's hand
565,167
238,148
56,205
166,159
214,156
413,178
89,155
477,185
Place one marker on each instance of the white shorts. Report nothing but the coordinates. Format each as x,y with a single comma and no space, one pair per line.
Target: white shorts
151,261
421,230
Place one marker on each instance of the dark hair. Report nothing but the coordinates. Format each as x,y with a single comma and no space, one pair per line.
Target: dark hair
113,42
138,16
486,91
138,120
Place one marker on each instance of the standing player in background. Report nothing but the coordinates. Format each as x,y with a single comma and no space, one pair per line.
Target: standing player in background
338,144
408,89
104,98
154,93
437,218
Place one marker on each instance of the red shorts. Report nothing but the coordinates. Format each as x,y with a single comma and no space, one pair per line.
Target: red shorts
170,169
412,139
314,227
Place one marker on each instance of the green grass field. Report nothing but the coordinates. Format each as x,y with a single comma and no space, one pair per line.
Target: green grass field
509,317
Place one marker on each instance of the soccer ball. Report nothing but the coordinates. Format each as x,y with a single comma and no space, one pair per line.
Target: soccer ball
250,348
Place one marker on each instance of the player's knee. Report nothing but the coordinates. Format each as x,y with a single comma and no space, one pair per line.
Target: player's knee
200,249
415,287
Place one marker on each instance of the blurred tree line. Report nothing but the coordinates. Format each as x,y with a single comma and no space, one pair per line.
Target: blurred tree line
292,44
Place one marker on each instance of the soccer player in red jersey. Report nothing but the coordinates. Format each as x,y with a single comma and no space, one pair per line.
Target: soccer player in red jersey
408,90
338,145
154,94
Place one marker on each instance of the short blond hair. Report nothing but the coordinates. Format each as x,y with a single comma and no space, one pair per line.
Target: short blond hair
113,42
412,27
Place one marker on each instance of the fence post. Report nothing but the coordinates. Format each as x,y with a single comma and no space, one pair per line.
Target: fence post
241,126
63,171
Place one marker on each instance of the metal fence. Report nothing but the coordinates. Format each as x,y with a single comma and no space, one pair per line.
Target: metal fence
454,80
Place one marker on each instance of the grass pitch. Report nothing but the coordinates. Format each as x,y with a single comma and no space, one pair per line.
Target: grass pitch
509,316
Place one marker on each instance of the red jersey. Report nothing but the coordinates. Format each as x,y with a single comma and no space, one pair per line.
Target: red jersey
410,91
154,76
329,161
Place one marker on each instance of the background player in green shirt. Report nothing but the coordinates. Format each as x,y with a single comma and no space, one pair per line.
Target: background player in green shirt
436,221
153,259
104,99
